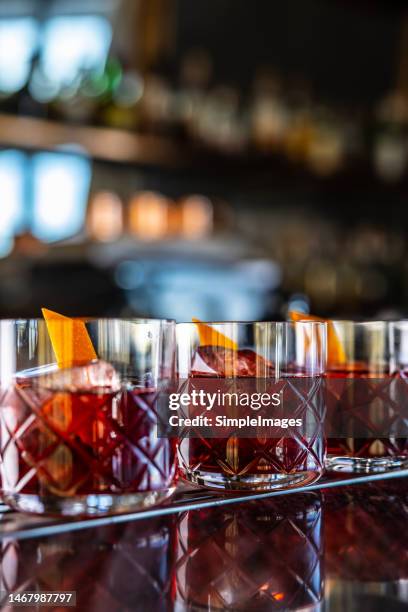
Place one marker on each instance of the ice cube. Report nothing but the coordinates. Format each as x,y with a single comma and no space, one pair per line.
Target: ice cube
223,362
97,375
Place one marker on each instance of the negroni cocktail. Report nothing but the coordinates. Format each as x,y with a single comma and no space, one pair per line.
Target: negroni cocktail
82,439
285,357
366,401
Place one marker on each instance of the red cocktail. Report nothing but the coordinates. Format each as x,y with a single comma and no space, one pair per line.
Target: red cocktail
359,402
366,401
83,440
266,457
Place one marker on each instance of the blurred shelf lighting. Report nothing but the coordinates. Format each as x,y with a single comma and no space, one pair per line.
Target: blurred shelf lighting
105,217
74,43
196,217
60,193
12,167
18,41
148,216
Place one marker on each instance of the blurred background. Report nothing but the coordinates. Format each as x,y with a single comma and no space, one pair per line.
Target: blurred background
223,160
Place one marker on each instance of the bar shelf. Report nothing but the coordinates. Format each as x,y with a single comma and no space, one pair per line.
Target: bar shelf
21,526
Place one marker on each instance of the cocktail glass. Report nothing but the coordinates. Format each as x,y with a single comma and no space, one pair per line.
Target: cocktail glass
364,408
288,358
82,439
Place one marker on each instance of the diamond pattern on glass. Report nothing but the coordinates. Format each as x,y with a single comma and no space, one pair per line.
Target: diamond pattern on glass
259,556
303,399
81,443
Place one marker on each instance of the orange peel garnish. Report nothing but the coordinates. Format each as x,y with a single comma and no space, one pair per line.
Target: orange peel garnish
211,337
335,351
69,338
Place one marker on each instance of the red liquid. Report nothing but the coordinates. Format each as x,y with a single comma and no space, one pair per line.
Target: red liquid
81,443
259,455
359,396
260,556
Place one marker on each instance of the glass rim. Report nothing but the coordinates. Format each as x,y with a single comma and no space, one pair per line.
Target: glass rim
365,323
283,323
350,321
354,323
135,320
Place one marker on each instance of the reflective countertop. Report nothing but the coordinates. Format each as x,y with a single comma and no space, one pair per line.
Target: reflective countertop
336,549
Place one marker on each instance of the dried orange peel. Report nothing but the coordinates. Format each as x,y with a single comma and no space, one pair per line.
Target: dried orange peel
211,337
335,351
69,338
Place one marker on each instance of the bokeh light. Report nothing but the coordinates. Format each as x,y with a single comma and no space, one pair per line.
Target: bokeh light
105,217
72,44
148,216
18,41
60,192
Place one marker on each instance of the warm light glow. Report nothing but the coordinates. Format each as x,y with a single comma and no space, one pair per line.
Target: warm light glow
148,216
196,217
174,220
105,218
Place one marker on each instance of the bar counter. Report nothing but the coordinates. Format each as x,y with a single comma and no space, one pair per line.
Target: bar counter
338,548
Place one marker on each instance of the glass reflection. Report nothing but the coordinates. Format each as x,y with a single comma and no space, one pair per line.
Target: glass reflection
366,532
262,555
115,568
366,538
